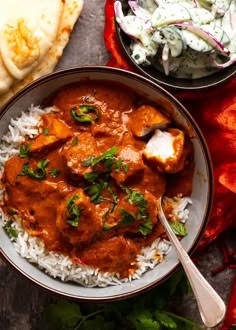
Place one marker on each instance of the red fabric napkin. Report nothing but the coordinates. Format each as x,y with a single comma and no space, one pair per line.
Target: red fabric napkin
215,112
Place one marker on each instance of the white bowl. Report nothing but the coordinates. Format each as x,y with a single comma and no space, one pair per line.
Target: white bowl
202,193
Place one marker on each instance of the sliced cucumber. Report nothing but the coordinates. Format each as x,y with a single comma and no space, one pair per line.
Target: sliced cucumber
169,13
196,43
201,16
185,3
223,4
149,5
206,3
173,37
217,32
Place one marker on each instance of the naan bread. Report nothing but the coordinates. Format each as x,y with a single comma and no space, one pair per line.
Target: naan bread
17,71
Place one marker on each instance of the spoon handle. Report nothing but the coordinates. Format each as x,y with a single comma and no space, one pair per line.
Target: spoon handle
211,306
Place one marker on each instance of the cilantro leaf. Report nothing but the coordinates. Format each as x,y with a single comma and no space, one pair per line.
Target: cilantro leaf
39,173
25,150
11,232
92,176
119,164
95,190
166,320
75,141
87,162
128,218
107,155
54,172
45,131
98,323
143,320
178,228
62,315
145,227
73,211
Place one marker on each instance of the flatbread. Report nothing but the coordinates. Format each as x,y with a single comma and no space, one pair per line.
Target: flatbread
70,13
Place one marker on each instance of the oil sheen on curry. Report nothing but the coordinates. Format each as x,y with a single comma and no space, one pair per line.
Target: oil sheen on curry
88,183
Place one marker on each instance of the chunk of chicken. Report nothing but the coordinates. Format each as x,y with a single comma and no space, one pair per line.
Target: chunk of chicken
77,219
131,164
146,119
106,255
74,155
131,213
166,149
152,181
55,132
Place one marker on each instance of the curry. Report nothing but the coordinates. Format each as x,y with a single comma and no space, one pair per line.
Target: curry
88,183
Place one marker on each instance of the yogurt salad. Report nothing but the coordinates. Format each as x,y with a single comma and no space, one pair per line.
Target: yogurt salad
183,38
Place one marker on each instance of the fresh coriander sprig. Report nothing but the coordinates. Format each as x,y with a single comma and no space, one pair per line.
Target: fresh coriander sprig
178,228
73,211
39,173
25,150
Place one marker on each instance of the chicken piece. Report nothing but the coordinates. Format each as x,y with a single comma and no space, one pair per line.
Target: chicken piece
166,150
74,155
131,212
55,132
77,219
131,164
12,168
146,119
106,255
107,134
152,181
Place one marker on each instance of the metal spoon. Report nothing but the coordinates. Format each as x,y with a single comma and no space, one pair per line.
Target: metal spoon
211,306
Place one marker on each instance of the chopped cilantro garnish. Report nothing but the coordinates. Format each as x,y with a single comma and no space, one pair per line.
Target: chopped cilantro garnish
92,176
95,190
25,150
178,228
107,155
11,232
73,211
74,141
119,164
54,172
39,173
146,227
45,131
128,218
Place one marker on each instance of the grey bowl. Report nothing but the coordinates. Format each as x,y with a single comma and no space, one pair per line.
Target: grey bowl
202,194
169,82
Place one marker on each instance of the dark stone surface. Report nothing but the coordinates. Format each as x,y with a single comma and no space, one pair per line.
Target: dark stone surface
21,303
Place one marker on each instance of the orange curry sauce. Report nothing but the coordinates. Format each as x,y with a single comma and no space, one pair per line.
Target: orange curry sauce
101,219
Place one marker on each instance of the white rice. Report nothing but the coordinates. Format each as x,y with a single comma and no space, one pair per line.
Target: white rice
58,265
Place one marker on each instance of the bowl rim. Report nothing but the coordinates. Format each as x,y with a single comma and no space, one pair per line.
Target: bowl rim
121,36
206,154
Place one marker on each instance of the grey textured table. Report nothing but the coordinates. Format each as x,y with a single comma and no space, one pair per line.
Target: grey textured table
21,303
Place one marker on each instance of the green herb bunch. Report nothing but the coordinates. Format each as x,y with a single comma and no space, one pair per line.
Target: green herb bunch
149,311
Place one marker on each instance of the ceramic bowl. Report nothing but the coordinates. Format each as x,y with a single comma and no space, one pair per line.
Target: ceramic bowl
202,193
169,82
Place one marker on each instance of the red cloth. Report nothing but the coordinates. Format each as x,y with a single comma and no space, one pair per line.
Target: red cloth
215,112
